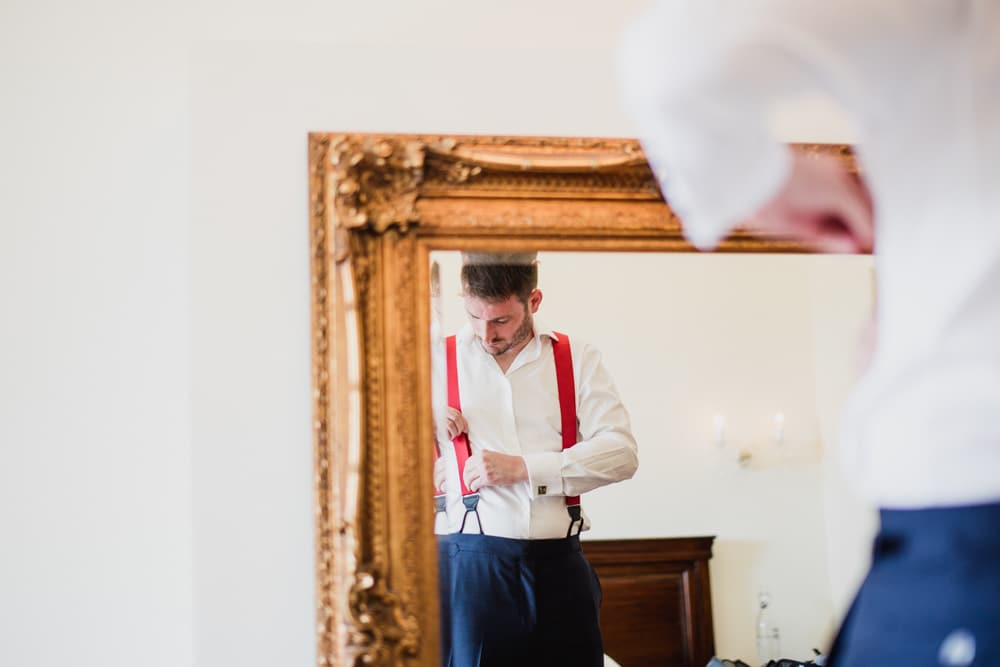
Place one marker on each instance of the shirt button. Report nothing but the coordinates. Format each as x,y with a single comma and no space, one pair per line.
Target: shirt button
958,649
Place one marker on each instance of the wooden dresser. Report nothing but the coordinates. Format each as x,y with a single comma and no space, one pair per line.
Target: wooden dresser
657,606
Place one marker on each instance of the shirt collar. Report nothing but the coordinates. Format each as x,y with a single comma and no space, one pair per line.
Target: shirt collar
542,329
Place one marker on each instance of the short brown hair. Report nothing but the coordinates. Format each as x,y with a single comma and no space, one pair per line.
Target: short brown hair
499,276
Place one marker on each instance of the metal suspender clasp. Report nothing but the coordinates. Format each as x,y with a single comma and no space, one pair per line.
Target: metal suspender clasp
440,503
575,519
471,503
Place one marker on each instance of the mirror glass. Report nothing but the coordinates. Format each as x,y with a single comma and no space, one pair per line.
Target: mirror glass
734,369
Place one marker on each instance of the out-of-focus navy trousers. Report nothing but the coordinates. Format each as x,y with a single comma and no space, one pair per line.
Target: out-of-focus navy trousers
518,603
932,596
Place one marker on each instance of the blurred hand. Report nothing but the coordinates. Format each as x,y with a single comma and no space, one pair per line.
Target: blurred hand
488,468
822,205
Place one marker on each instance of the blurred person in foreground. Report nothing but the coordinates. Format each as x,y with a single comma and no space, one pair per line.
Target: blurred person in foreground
921,433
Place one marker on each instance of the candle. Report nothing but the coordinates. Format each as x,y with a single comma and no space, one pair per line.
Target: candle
719,421
779,428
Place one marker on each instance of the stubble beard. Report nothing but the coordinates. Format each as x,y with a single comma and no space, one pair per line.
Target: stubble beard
521,334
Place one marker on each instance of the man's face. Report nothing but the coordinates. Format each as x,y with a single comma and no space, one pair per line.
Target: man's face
502,327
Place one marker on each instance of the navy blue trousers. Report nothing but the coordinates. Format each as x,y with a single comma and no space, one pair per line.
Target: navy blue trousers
520,603
932,596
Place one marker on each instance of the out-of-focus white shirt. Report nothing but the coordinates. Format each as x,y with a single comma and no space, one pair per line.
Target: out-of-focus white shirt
517,413
922,80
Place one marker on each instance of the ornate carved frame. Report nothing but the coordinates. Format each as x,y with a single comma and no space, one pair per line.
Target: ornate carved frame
378,205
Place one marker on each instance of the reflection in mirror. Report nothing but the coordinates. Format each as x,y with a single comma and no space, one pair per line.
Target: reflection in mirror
528,420
733,369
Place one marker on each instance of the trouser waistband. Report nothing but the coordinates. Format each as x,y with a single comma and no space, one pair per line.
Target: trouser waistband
509,547
939,530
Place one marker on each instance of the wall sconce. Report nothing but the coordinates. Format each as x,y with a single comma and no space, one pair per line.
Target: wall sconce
779,429
743,455
719,422
745,451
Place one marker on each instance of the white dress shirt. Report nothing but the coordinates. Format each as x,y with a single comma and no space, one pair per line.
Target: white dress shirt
922,80
517,413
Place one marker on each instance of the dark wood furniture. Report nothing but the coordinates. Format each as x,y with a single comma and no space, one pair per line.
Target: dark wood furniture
657,607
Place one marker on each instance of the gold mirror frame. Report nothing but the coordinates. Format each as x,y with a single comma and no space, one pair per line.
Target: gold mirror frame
378,205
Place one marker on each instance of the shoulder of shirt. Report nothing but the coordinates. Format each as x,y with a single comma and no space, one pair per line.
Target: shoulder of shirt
542,329
577,343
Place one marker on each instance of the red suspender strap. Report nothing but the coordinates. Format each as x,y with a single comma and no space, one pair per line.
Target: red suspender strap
567,395
462,449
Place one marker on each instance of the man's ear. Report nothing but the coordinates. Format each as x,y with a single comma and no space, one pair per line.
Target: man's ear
535,300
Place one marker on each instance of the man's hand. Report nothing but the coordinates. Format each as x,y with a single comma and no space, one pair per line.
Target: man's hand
490,468
456,423
821,204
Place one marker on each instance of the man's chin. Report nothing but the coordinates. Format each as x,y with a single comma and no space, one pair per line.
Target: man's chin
495,350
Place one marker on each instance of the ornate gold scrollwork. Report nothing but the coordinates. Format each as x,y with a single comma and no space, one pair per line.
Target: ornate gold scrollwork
375,184
383,632
381,626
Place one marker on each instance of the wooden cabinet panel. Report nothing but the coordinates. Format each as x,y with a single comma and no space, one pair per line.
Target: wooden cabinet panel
657,606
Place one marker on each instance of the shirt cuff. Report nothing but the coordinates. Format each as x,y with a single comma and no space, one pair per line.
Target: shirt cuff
544,474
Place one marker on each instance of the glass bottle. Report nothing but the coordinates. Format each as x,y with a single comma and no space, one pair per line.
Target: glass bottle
768,638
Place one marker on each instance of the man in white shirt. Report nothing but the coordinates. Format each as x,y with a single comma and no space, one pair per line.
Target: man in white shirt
517,588
921,435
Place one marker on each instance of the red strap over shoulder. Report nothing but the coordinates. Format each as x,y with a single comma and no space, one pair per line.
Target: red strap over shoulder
454,399
463,450
563,355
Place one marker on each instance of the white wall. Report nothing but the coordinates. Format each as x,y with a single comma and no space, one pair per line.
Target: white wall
155,438
842,304
95,381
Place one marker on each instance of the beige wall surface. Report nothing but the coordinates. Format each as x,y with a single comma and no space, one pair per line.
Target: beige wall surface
155,433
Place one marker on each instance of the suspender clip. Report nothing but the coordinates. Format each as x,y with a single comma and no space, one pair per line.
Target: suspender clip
471,503
440,503
575,517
